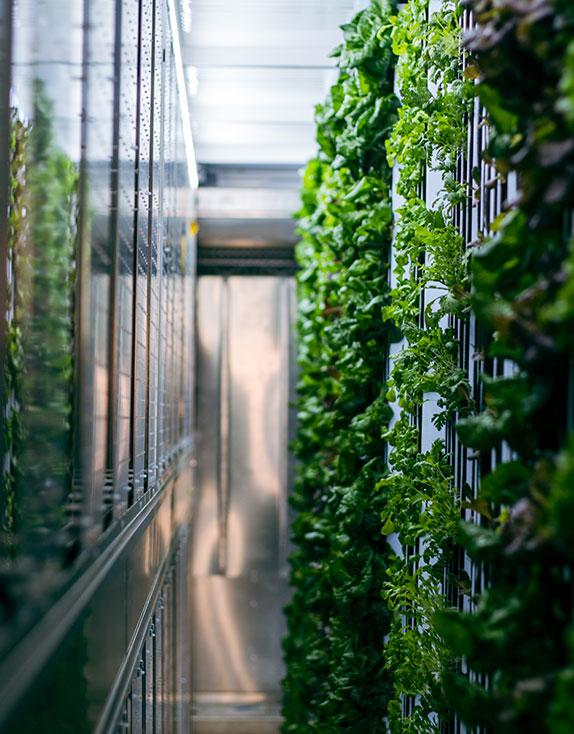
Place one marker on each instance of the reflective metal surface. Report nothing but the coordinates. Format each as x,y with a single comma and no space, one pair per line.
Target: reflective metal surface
237,631
240,519
93,574
248,229
5,145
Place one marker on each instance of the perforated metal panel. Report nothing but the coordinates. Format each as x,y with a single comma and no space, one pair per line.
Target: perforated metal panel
115,630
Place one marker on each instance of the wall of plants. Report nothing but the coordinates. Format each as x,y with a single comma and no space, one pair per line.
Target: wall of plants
435,495
421,499
337,619
522,633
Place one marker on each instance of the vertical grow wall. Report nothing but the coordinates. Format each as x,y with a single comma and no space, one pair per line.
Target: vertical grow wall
473,478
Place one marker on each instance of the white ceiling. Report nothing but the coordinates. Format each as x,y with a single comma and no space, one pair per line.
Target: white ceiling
259,67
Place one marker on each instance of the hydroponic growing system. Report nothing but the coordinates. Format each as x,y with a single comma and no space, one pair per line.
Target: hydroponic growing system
435,492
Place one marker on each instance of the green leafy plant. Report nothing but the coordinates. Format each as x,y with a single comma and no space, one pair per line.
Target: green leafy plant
521,634
421,503
518,643
335,679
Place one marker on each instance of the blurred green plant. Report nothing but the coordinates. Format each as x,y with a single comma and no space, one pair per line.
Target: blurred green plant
335,679
421,503
17,232
518,643
521,634
43,206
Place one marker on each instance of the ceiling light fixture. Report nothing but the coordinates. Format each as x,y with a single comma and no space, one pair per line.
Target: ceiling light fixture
192,80
182,93
186,16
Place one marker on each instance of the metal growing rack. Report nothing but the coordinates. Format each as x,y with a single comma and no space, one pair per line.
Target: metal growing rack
96,588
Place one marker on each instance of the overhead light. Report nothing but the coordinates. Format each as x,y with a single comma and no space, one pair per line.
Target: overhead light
192,80
186,16
182,94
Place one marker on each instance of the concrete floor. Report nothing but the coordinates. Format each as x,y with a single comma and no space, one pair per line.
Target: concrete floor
229,727
236,714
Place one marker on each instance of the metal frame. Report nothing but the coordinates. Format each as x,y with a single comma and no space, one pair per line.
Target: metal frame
125,585
5,80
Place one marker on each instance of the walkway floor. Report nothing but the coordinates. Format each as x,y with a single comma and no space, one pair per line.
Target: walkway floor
244,715
246,727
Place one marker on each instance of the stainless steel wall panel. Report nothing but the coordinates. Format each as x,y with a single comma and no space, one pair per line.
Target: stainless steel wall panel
152,402
139,366
162,121
5,145
127,148
145,559
245,373
108,68
145,100
165,660
123,484
124,724
206,529
158,665
163,337
99,101
151,565
160,116
182,662
238,630
148,660
104,652
164,262
168,663
183,489
255,373
189,340
137,700
146,231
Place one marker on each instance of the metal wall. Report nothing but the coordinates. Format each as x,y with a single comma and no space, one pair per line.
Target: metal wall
240,527
93,573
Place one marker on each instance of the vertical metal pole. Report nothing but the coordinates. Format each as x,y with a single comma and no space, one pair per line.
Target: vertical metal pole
81,499
148,297
135,320
110,487
5,78
83,495
284,377
150,281
150,185
223,493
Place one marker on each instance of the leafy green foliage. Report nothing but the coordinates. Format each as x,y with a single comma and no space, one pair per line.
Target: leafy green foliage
337,620
521,634
520,288
421,503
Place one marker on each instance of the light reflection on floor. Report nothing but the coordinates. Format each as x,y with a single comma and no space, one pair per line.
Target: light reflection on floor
235,713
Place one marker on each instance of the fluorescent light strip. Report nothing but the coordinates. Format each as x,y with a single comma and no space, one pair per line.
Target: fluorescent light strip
182,92
186,17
